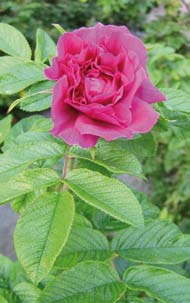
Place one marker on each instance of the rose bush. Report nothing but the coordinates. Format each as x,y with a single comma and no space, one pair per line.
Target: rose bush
102,86
82,234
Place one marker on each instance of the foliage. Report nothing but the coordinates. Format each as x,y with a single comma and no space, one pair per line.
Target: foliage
82,232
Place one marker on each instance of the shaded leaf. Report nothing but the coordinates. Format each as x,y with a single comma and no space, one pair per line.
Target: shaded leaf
162,284
93,282
5,126
159,242
27,293
112,156
10,275
83,244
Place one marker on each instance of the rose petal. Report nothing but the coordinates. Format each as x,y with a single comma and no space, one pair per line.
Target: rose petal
73,137
134,44
131,89
54,71
149,93
98,32
59,94
144,117
69,43
104,130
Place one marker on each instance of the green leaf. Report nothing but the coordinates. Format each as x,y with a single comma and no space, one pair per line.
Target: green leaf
27,293
162,284
86,282
35,100
3,300
112,156
20,203
45,46
5,126
17,74
158,242
10,275
177,100
33,124
42,231
107,194
107,223
37,147
26,182
81,221
38,97
13,42
150,211
83,244
142,147
59,28
135,300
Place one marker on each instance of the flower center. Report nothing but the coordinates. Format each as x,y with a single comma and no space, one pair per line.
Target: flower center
94,86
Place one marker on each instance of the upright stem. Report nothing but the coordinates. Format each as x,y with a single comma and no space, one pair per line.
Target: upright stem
66,166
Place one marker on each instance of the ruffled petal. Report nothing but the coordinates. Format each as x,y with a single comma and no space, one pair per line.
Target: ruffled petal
54,71
104,130
98,32
149,93
144,117
69,43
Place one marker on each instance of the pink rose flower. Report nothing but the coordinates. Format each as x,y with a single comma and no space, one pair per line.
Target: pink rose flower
102,87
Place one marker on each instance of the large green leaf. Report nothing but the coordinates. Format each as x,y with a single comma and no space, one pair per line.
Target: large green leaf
31,148
83,244
13,42
26,182
112,156
17,74
86,282
27,292
158,242
177,100
5,126
163,284
107,194
42,231
45,46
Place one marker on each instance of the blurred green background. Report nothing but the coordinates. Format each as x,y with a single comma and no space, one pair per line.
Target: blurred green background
164,25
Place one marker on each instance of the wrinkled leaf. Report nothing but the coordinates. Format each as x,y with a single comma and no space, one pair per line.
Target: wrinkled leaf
42,231
86,282
106,194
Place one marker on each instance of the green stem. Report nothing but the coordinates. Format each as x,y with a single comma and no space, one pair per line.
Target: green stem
66,167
